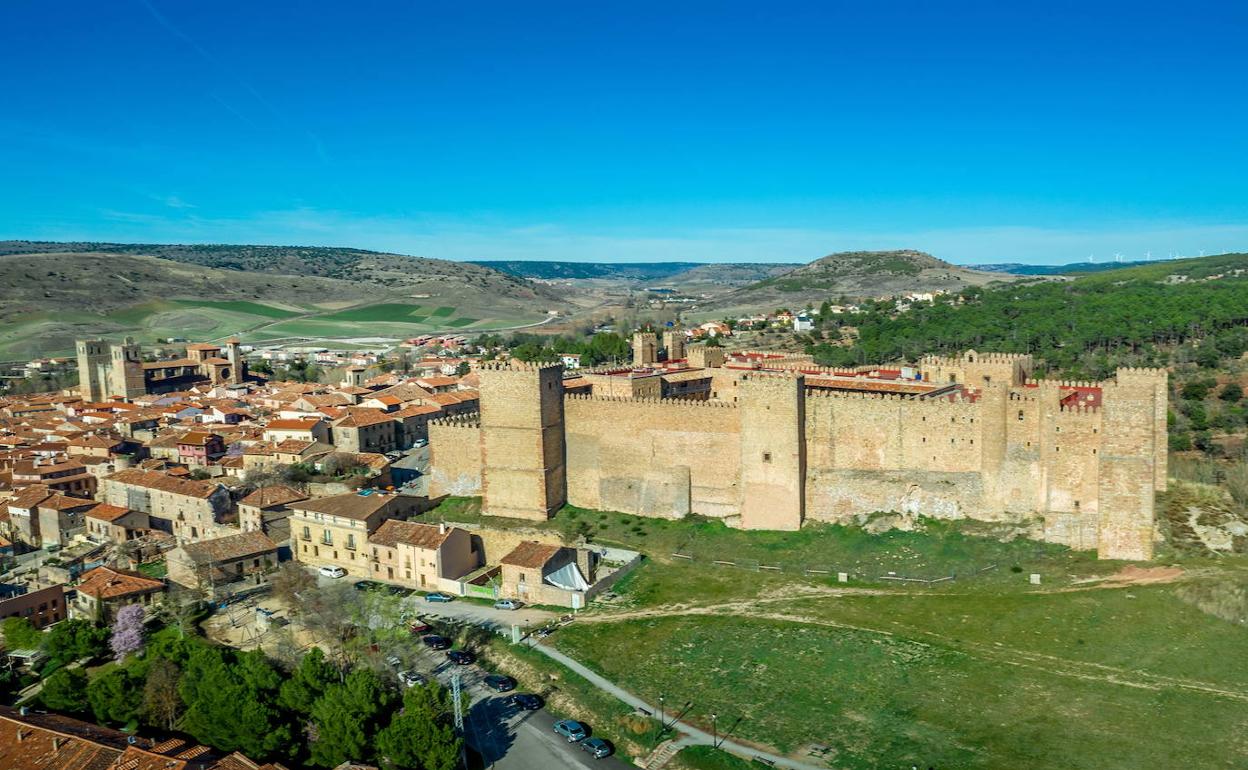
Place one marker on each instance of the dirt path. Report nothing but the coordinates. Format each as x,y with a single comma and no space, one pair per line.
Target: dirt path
758,609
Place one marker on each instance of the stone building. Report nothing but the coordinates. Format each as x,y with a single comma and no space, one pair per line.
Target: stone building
334,530
189,510
208,564
113,369
781,441
104,590
41,606
416,555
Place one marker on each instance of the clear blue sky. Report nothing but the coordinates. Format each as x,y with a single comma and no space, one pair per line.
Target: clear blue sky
630,130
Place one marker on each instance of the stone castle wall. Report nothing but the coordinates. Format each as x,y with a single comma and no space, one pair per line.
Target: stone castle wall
773,454
663,458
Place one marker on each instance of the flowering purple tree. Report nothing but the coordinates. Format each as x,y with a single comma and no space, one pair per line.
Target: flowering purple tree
127,631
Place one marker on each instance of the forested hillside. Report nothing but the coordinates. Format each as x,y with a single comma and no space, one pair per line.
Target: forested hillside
1081,328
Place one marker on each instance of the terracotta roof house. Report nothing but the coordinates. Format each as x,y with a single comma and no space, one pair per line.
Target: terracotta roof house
210,563
104,590
268,507
545,573
334,530
42,741
420,555
115,524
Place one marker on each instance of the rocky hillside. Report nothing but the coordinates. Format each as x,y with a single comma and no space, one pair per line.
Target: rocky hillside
857,274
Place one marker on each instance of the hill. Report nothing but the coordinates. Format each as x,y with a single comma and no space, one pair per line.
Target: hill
51,294
1082,327
855,274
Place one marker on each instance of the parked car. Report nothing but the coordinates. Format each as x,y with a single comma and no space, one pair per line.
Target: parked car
507,604
394,661
461,657
525,701
572,730
420,442
367,585
597,747
398,591
410,678
500,683
435,642
419,627
545,631
439,596
332,572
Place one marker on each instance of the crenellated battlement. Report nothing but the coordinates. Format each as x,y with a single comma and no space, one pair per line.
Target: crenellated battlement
515,365
678,403
466,420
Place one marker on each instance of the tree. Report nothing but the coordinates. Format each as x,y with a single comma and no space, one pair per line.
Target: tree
20,634
345,718
308,682
73,640
463,368
161,703
115,696
127,631
231,702
420,736
291,583
1231,392
65,691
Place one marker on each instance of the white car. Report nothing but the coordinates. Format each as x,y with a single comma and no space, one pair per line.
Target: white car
410,678
333,572
507,604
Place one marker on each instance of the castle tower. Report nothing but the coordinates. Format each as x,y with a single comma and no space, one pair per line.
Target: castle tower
645,348
353,377
94,360
125,373
674,344
704,356
773,451
1133,427
233,353
522,441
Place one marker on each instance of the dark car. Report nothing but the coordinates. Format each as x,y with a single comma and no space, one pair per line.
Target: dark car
461,657
500,683
367,585
435,642
439,596
525,701
597,747
398,591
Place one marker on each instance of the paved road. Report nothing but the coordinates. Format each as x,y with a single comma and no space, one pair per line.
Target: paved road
507,738
480,615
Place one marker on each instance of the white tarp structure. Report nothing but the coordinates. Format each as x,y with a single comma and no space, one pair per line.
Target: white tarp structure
568,577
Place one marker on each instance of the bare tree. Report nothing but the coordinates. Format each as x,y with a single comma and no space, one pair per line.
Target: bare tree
161,702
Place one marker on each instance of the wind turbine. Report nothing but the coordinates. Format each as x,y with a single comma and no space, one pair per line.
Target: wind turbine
1118,257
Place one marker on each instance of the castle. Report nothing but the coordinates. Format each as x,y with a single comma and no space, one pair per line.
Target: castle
117,369
767,441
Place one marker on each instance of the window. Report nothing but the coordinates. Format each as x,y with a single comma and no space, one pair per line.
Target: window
766,457
1020,415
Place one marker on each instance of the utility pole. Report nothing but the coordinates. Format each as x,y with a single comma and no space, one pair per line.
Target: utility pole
459,718
714,731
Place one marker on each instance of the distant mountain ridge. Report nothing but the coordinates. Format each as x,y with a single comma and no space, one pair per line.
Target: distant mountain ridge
1019,268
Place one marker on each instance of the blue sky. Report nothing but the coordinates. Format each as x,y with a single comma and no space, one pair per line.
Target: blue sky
612,131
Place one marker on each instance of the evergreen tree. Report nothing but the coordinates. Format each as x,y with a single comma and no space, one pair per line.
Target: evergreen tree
308,682
346,717
115,696
65,691
420,737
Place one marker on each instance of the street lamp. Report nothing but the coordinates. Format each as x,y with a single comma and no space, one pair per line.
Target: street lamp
714,731
662,719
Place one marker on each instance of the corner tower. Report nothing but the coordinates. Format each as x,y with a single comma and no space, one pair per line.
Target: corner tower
523,474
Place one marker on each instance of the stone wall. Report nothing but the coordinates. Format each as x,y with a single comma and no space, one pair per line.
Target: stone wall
454,458
663,458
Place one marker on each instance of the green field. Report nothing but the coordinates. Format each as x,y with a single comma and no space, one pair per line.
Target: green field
983,671
1095,678
385,312
444,311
